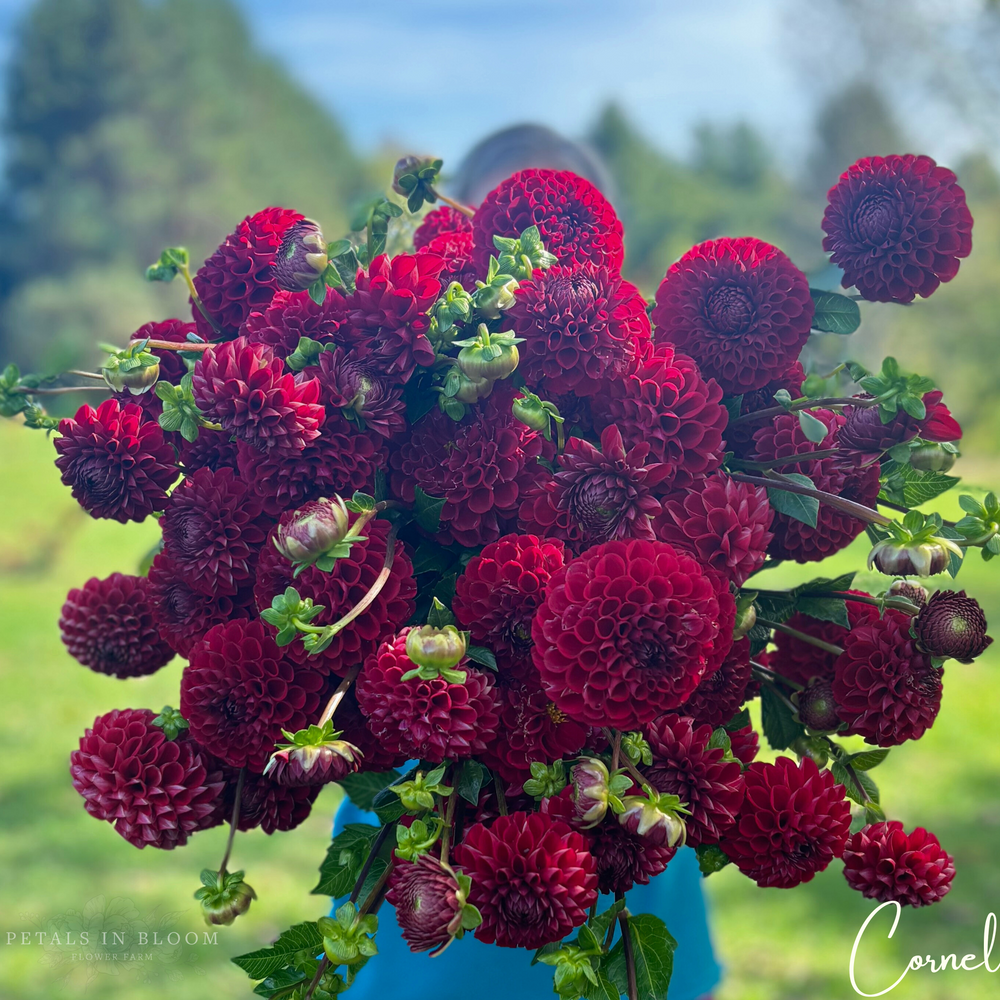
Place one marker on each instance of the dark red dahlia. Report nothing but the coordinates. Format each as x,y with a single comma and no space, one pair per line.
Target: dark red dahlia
359,390
530,728
739,307
533,879
240,691
118,463
885,863
897,226
719,695
172,366
292,315
627,631
266,804
184,615
745,744
213,529
354,726
480,466
623,859
428,903
438,222
724,523
455,249
663,400
496,596
108,625
952,624
575,221
683,765
784,438
340,590
430,720
341,461
244,387
156,791
388,311
239,277
794,822
580,325
799,660
887,689
209,450
597,496
739,436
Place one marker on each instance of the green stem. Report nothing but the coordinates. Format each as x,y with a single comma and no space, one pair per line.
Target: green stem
828,647
94,375
369,861
848,767
803,403
234,820
777,463
897,603
304,627
766,673
196,299
58,390
449,820
906,510
860,511
760,672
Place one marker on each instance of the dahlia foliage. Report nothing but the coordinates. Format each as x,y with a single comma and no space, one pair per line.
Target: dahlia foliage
478,532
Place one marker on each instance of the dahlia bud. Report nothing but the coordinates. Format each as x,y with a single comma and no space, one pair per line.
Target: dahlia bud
223,896
314,756
488,355
816,705
458,385
914,547
909,589
932,457
316,530
495,295
301,260
546,781
746,618
415,177
952,625
591,792
348,937
439,649
417,794
655,817
536,413
134,369
812,747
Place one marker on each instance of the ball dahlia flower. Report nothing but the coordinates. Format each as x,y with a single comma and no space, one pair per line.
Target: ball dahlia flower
721,693
361,392
266,804
209,450
117,462
455,249
627,631
745,744
109,626
739,307
292,315
739,436
951,624
438,222
897,226
428,901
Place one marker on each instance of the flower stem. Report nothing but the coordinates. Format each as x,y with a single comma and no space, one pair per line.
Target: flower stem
803,403
633,989
57,390
849,768
338,696
906,510
171,345
196,299
449,819
777,463
828,647
501,798
451,203
83,374
897,603
234,820
616,749
766,673
760,673
857,510
324,964
374,899
367,866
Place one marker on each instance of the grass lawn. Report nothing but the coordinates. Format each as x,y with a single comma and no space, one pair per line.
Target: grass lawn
61,868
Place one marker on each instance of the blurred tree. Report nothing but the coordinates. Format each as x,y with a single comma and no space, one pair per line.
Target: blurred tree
737,155
132,125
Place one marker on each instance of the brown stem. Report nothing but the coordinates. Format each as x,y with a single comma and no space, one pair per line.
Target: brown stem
83,374
196,299
501,798
457,205
234,820
338,696
324,964
777,463
769,675
857,510
849,768
828,647
633,989
171,345
374,898
802,404
58,390
367,866
616,748
449,819
618,758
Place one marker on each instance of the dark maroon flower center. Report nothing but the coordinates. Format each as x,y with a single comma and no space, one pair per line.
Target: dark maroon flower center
730,310
599,503
571,291
650,653
875,219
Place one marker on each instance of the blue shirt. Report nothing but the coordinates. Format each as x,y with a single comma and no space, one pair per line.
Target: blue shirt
471,969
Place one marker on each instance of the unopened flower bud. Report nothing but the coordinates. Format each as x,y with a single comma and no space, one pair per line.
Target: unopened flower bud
905,558
590,791
471,390
301,259
223,896
909,589
440,648
812,747
488,355
315,756
746,618
134,369
655,819
531,411
314,530
816,705
931,457
952,625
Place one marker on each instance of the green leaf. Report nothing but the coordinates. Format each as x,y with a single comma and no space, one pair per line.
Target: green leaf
266,962
280,982
483,656
600,924
469,779
824,609
739,721
779,726
344,859
427,510
905,485
362,788
834,313
843,776
653,951
813,428
867,759
711,858
439,615
733,404
794,505
603,989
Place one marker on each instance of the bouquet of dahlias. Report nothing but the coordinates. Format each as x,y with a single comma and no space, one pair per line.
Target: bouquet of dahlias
472,530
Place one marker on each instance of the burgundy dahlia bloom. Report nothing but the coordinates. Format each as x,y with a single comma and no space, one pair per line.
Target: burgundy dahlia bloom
118,464
268,805
597,496
388,311
359,390
184,615
213,529
739,436
239,276
355,729
897,226
455,249
784,438
580,325
533,879
481,467
719,695
683,765
438,222
627,631
724,523
291,315
339,591
240,691
109,626
428,903
209,450
739,307
244,387
575,221
954,625
496,596
887,689
663,400
623,859
745,744
885,863
156,791
426,719
794,822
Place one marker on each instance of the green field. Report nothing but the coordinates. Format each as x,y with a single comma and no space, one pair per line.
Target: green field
62,868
